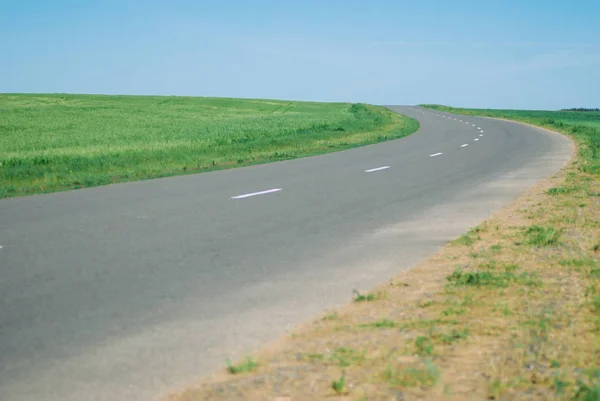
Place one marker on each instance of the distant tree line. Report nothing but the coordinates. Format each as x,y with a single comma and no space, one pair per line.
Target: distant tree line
580,109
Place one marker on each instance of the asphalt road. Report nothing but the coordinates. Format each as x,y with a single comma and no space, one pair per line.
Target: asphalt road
128,291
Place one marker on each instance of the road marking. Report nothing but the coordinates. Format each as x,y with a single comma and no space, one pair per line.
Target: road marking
479,128
473,125
480,134
464,145
459,120
377,169
1,247
436,154
268,191
476,139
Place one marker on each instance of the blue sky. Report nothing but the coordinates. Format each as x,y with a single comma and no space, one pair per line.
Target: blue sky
502,54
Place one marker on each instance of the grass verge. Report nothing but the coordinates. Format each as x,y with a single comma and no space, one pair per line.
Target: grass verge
56,142
508,311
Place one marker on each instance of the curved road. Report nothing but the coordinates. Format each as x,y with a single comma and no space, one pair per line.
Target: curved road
128,291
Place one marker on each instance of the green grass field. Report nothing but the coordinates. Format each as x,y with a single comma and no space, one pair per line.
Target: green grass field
56,142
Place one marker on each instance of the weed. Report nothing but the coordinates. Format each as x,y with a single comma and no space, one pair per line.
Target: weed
331,316
496,248
542,236
454,335
425,376
423,345
451,311
476,255
482,228
580,265
467,301
244,367
561,190
587,392
491,278
465,239
559,386
346,356
384,323
358,297
339,385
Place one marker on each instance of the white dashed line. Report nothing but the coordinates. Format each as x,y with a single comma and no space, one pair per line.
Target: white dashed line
1,247
269,191
436,154
377,169
473,125
464,145
480,134
476,139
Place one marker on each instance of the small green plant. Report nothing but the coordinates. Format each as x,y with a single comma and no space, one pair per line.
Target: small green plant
313,356
542,236
482,228
555,364
426,304
339,385
467,301
384,323
423,345
331,316
346,356
492,279
559,386
358,297
454,335
425,376
465,239
452,311
560,190
587,392
244,367
496,248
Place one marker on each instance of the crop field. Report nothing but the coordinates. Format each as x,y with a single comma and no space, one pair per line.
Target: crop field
58,142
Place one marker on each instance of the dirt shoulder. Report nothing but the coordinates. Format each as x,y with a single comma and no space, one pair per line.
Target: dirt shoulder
507,311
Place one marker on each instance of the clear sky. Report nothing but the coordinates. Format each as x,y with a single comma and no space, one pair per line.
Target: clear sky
479,53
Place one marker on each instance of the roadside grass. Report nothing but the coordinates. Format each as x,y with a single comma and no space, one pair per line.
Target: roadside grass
243,367
508,311
52,142
367,297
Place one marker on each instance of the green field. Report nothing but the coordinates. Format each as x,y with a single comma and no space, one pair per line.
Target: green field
584,127
57,142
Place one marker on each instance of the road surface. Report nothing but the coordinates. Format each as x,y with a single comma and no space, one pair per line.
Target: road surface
129,291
